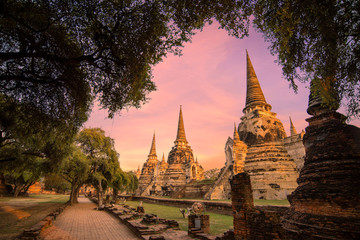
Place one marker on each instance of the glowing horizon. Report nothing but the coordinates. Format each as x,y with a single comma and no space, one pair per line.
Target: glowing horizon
209,81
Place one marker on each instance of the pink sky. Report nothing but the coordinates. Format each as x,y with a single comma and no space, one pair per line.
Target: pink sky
209,81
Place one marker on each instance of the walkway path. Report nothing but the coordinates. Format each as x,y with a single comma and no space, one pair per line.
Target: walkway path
82,222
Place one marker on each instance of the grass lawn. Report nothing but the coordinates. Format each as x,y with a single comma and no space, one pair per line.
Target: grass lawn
16,214
271,202
218,223
257,202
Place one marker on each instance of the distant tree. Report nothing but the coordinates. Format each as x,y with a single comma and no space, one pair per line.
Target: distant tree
23,173
75,169
317,41
54,181
119,182
133,183
26,131
103,158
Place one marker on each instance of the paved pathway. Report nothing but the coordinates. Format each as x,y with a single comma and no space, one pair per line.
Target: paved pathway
82,222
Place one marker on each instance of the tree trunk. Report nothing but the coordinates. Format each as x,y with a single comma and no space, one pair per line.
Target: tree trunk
18,187
100,195
73,198
74,192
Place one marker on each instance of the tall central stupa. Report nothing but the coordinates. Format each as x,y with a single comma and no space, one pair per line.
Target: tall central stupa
272,171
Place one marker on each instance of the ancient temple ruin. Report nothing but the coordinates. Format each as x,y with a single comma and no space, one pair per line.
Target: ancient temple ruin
181,168
326,203
149,169
294,146
265,158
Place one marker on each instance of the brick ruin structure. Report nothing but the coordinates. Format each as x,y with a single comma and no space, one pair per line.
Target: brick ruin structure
138,172
273,171
171,177
149,170
326,204
295,147
252,222
235,151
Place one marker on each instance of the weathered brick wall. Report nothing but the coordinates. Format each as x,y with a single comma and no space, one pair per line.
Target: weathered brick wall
251,222
326,203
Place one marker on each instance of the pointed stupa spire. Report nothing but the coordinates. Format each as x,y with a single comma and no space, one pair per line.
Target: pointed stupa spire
254,94
163,158
292,128
236,134
153,147
180,137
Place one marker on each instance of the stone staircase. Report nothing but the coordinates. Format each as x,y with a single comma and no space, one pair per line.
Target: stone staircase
223,176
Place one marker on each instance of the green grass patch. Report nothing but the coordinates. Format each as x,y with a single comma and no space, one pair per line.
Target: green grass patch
271,202
42,198
218,223
50,198
19,213
257,202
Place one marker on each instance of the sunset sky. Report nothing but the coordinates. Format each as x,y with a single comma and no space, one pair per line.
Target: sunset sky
209,81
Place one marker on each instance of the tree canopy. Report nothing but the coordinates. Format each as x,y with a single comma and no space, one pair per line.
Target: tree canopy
103,158
53,53
317,41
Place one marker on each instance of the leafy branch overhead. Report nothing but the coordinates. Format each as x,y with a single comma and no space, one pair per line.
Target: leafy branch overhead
316,40
59,55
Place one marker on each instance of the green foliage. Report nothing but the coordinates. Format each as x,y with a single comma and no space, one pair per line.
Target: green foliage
75,170
56,182
26,131
53,52
316,40
119,182
133,183
22,173
103,158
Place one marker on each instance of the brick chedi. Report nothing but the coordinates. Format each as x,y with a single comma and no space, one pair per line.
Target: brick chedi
295,147
138,173
167,178
148,171
235,151
272,171
182,167
326,204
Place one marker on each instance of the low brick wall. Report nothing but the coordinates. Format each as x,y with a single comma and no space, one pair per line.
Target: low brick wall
35,231
210,206
253,222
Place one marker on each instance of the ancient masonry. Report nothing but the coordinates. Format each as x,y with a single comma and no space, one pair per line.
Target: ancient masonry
260,148
326,204
168,178
295,147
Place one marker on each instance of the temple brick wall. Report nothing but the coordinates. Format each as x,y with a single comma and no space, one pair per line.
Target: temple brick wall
326,203
295,147
251,222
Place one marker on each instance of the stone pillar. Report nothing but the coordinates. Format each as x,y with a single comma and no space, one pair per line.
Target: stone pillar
326,204
242,204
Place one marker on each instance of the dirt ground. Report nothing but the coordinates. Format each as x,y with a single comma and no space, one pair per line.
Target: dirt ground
16,214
